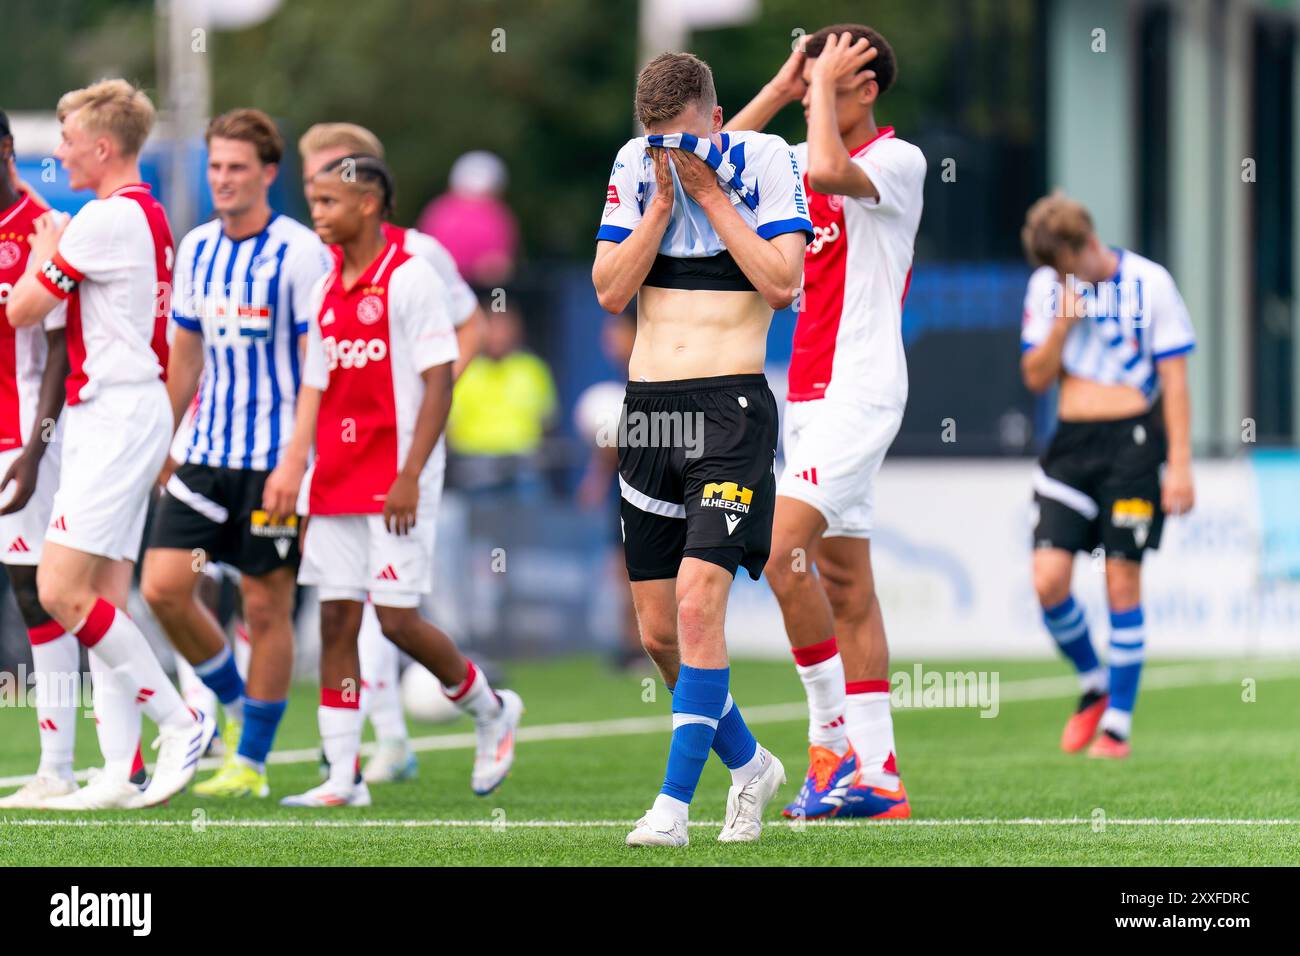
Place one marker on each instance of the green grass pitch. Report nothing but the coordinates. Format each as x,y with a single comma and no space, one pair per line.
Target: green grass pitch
1211,781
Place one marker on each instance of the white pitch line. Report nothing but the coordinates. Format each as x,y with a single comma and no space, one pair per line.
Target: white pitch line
289,824
1028,689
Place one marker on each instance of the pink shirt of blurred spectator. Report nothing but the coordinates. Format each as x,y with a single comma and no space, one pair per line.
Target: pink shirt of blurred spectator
472,221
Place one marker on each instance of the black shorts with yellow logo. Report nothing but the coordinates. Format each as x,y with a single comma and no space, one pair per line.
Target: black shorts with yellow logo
1098,485
696,469
219,511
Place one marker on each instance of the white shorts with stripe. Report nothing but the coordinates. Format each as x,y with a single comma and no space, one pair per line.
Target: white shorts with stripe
833,451
350,557
22,534
114,447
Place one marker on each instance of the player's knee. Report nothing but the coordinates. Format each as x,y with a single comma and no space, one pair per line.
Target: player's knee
659,643
335,620
162,596
784,570
398,624
699,616
1051,586
1123,585
62,603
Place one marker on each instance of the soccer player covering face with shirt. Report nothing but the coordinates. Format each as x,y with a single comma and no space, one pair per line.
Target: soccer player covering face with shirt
374,400
848,388
708,229
1111,328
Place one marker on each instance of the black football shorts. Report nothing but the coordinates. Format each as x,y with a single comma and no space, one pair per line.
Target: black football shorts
1098,485
219,511
696,470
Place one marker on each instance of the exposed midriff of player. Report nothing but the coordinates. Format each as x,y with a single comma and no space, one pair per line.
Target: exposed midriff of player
708,228
1110,327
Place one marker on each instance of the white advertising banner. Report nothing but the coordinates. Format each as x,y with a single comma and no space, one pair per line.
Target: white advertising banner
952,557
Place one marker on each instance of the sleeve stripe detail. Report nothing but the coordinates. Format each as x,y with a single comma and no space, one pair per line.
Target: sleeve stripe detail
613,233
187,323
1170,353
769,230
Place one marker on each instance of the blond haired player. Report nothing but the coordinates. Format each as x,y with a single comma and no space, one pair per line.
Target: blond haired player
380,659
112,264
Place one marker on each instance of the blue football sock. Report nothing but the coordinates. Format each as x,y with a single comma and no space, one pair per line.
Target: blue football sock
732,741
1069,628
1127,650
221,676
261,719
698,700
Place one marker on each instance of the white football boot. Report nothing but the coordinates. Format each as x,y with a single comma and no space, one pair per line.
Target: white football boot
745,805
179,750
495,753
33,794
392,762
657,828
100,793
327,796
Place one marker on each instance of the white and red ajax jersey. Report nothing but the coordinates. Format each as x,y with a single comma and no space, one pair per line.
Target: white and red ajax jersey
22,351
114,268
848,341
366,349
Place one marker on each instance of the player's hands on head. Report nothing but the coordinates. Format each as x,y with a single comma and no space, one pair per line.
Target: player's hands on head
400,504
44,241
788,83
841,60
663,174
280,493
23,473
1177,495
697,177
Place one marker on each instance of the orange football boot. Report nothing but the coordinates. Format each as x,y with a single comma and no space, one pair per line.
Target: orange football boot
1107,747
1082,725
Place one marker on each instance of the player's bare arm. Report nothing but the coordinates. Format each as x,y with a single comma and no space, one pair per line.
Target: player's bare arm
1040,367
469,338
772,265
786,87
621,267
1176,490
403,498
835,73
184,369
30,302
53,394
280,495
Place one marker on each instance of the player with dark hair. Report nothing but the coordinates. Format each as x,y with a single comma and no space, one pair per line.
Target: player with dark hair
848,388
374,400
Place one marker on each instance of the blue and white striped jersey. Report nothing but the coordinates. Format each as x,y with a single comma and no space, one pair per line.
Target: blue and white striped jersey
1130,322
250,300
763,181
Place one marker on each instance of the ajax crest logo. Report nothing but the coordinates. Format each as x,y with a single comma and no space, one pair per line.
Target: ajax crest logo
370,309
9,254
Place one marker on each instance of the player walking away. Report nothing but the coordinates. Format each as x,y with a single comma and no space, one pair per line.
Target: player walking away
112,264
380,660
376,390
239,310
848,387
1111,327
33,366
708,229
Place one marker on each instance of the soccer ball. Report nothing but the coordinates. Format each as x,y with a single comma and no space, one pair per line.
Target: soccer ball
596,413
423,699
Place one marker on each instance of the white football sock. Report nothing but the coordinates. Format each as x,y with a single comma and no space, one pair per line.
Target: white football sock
380,673
671,807
117,719
112,635
56,662
340,734
823,682
870,726
474,696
